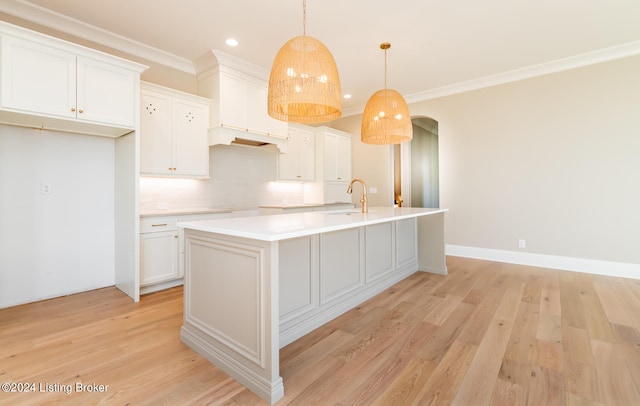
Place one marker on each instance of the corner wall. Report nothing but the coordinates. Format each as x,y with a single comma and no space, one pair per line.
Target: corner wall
61,242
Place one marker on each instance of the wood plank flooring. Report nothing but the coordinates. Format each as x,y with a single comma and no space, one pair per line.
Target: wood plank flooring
486,334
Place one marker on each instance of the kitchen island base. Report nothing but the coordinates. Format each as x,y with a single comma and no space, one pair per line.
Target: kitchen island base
245,298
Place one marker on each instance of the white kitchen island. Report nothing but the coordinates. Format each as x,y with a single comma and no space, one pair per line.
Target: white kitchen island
255,284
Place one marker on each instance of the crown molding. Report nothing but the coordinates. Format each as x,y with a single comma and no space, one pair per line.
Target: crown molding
47,18
559,65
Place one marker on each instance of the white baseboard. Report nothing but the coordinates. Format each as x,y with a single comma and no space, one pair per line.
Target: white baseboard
593,266
161,286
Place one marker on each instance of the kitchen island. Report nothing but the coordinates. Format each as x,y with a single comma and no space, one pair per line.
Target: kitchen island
255,284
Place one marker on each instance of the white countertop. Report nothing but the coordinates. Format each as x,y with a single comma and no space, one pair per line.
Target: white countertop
283,226
296,205
180,212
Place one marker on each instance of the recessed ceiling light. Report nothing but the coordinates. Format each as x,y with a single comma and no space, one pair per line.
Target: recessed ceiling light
231,42
347,96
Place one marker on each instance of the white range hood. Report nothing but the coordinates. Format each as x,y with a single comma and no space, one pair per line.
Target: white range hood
238,93
229,136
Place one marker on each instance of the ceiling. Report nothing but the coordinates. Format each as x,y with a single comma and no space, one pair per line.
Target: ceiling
438,47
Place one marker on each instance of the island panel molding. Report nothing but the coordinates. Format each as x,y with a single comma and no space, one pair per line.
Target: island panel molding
229,308
380,249
341,264
298,267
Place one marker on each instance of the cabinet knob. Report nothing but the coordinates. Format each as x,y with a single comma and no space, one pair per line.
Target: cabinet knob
80,111
175,236
73,109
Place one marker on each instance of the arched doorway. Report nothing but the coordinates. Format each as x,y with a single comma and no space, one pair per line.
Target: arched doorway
416,163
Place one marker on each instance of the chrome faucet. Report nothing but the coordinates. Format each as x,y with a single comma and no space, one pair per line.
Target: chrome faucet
363,198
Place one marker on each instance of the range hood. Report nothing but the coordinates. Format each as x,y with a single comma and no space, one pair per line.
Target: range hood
228,135
238,93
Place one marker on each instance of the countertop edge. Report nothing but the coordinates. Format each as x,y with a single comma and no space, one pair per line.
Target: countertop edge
186,212
225,228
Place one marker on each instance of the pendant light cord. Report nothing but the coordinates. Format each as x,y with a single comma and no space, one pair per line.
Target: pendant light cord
304,17
385,69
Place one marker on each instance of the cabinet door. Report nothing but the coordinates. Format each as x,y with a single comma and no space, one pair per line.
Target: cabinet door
306,155
106,93
155,134
337,157
330,157
158,257
299,162
38,78
191,150
233,105
258,119
343,161
288,163
256,102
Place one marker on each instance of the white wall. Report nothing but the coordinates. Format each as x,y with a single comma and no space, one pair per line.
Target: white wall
554,160
62,242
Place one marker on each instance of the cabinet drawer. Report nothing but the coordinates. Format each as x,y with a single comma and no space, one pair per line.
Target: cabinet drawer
157,224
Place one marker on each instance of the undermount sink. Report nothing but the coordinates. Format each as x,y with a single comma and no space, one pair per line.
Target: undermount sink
347,212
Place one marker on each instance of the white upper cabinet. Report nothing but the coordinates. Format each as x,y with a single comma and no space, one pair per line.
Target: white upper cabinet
238,91
104,93
49,83
38,78
241,103
333,168
232,104
299,162
173,133
336,154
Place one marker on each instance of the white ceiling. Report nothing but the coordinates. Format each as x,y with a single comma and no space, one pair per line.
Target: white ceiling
438,46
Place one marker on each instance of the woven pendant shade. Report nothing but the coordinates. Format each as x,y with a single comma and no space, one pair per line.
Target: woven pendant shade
304,86
386,117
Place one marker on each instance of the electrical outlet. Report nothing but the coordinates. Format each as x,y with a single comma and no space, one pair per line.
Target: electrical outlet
522,244
45,188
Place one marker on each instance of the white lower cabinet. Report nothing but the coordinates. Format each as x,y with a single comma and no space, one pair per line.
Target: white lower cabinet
161,252
158,249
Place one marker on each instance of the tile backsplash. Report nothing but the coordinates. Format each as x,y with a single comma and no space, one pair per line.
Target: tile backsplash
241,178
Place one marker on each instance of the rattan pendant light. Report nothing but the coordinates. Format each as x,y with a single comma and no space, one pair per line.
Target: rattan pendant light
304,86
386,117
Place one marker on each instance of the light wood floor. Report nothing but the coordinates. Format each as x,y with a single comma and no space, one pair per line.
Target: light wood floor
487,333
